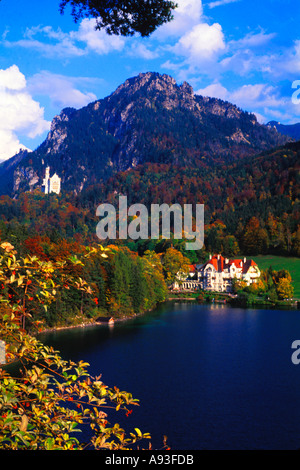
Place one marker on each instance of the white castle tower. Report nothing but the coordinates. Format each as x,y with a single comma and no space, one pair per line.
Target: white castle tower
53,184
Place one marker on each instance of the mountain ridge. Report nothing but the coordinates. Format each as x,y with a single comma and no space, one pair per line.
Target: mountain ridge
148,118
292,130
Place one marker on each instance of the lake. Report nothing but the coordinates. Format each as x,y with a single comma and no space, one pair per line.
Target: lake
207,376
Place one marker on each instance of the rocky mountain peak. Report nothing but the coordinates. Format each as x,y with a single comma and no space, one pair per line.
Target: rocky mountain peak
64,116
149,118
150,80
154,89
187,88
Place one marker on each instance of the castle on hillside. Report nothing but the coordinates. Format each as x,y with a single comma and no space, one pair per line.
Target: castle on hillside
51,184
217,274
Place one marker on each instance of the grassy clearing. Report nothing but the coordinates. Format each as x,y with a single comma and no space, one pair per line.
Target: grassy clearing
281,262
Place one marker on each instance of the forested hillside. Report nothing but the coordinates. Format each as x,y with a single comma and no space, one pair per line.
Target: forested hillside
251,206
157,142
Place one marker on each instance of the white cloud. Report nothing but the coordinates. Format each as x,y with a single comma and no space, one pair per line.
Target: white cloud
19,113
244,62
63,91
97,41
289,62
252,40
190,38
58,44
201,42
260,99
219,3
6,82
140,50
50,43
186,15
264,100
61,49
9,144
259,95
255,54
215,90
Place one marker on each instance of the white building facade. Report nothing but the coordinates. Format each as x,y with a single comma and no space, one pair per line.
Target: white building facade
218,273
51,184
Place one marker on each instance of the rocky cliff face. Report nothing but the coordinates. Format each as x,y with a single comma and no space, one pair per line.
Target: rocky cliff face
149,118
58,131
25,175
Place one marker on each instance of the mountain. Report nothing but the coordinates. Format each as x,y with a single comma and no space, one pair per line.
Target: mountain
9,169
149,118
292,130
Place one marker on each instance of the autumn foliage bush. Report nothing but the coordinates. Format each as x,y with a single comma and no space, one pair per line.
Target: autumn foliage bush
44,400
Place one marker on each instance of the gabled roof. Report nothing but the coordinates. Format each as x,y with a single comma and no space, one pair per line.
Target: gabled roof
238,263
249,263
217,261
220,263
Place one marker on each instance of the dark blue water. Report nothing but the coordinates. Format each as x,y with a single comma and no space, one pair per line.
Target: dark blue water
207,376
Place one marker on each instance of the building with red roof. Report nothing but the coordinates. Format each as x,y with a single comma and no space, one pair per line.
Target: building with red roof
218,273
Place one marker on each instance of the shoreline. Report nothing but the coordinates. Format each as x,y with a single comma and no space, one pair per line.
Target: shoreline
91,324
84,325
87,324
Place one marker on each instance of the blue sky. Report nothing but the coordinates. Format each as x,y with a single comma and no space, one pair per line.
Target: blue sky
246,52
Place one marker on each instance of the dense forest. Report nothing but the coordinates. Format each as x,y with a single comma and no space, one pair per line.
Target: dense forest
251,207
